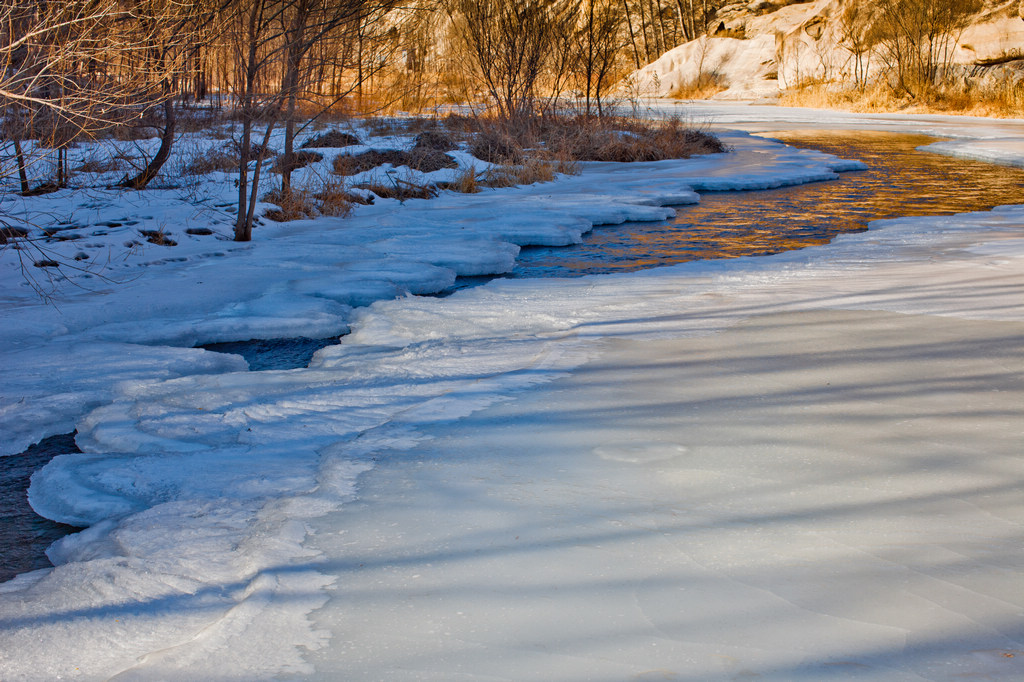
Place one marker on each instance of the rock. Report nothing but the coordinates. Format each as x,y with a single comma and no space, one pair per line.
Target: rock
763,46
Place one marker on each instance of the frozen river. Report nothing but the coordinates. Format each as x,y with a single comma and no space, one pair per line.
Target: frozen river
798,466
899,180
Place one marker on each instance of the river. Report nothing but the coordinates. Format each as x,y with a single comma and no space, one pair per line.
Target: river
900,181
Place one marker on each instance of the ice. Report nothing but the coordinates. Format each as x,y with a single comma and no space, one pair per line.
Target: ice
1006,151
803,466
44,391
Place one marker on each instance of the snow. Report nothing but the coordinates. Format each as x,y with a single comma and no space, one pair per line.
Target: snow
803,466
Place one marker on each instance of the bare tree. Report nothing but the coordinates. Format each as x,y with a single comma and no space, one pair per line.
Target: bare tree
510,41
917,39
858,33
255,32
173,31
62,72
65,73
598,40
307,24
278,49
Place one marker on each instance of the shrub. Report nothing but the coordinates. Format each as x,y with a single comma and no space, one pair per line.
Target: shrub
333,138
212,160
333,200
434,140
292,205
496,146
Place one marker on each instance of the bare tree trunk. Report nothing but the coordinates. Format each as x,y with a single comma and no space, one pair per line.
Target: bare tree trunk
632,34
22,171
250,214
163,153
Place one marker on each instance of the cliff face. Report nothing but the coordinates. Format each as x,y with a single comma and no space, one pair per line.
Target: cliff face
760,47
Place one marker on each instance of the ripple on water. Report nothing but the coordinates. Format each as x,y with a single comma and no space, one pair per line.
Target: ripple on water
900,181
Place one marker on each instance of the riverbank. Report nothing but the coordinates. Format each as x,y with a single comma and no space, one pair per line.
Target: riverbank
487,480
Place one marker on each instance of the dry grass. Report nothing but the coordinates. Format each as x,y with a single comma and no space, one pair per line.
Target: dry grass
10,234
564,140
384,126
1004,99
705,85
627,140
531,171
434,140
332,138
493,145
211,160
224,158
294,204
333,200
421,159
317,198
158,237
98,165
400,189
466,182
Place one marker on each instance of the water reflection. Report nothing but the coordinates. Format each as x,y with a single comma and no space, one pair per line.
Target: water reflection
900,181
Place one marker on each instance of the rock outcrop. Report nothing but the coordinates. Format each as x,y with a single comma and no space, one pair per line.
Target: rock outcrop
760,47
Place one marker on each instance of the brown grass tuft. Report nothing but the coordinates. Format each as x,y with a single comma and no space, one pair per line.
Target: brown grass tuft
531,171
998,99
400,189
706,84
317,198
333,200
332,138
211,160
295,204
466,182
424,160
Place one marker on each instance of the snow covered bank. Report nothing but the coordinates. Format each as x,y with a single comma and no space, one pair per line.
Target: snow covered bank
202,489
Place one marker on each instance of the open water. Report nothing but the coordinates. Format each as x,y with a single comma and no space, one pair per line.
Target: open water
901,181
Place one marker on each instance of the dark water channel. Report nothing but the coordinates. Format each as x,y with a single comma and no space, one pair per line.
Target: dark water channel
900,181
24,535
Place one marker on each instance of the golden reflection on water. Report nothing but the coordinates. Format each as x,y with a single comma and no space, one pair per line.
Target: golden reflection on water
900,181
